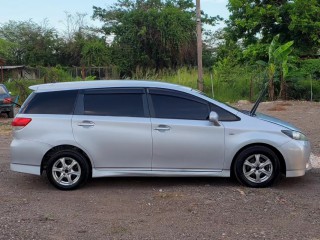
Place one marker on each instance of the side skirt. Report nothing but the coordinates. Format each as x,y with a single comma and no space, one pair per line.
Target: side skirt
158,173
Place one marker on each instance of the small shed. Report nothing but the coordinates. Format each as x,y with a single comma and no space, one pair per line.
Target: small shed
19,72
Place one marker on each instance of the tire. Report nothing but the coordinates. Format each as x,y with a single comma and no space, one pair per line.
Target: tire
257,167
11,112
67,170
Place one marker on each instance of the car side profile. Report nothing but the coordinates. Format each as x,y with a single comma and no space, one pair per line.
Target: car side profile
77,130
6,102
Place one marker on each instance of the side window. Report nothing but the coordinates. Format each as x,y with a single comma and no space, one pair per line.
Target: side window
223,114
114,104
178,106
59,102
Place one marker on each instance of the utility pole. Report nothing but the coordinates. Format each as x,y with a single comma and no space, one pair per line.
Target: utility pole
199,46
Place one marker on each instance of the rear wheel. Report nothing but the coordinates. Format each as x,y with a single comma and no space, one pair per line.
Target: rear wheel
257,166
11,112
67,170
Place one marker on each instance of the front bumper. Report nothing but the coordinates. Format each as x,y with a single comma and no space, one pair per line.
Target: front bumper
296,155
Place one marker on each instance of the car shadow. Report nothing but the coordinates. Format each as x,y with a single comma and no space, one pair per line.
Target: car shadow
158,182
36,183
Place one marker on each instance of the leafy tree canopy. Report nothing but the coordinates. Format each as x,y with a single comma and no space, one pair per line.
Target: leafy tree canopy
260,20
29,42
152,33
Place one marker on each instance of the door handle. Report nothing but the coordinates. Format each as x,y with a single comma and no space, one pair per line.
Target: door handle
162,128
86,124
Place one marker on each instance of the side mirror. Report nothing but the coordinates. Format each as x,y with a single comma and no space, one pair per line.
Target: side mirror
214,118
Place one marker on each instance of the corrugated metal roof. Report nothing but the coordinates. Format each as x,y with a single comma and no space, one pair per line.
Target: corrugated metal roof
13,67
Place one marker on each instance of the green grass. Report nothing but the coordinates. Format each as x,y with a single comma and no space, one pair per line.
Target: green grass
229,84
229,87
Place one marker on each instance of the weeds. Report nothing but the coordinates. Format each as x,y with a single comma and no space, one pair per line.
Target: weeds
227,83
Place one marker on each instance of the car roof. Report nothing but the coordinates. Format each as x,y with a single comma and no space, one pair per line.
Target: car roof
105,84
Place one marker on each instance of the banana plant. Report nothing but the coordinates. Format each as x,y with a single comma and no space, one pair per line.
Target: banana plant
278,62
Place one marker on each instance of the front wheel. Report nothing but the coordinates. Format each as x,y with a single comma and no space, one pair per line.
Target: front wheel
67,170
257,167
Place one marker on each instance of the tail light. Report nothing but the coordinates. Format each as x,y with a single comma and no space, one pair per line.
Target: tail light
20,123
7,100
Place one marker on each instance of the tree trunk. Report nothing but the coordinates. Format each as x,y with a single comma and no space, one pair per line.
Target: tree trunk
271,89
83,72
283,88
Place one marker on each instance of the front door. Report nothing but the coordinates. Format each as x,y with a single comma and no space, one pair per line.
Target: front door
183,137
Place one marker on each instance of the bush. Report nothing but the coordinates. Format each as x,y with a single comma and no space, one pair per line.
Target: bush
301,90
56,74
21,88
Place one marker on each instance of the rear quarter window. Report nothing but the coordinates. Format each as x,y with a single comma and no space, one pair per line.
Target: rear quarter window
59,102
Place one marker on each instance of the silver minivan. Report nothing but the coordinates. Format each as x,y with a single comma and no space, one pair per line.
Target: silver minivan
77,130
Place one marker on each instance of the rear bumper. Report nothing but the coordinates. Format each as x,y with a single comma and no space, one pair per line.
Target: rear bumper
26,155
5,108
25,168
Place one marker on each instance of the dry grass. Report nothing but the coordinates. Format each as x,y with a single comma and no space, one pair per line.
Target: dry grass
5,126
277,108
284,104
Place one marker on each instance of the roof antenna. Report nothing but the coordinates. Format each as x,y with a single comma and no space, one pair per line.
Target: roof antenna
256,104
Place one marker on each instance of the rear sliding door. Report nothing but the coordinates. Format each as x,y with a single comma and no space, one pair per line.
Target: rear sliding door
114,127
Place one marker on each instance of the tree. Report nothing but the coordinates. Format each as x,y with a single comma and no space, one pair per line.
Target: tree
30,43
95,53
7,51
81,45
258,21
151,33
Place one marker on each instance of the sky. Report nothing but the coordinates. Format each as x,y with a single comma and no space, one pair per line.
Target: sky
54,10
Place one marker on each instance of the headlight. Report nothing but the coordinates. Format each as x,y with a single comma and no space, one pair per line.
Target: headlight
295,135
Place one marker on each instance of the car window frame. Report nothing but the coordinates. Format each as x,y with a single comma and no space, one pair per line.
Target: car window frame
79,109
236,118
188,96
25,106
175,93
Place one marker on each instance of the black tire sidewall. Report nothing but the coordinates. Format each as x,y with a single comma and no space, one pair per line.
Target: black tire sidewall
77,157
11,113
238,166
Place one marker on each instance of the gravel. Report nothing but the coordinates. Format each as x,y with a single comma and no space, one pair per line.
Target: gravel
165,208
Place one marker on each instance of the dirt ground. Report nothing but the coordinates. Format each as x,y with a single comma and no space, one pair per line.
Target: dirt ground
165,208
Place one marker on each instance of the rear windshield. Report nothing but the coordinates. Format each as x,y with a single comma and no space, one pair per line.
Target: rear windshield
2,90
60,102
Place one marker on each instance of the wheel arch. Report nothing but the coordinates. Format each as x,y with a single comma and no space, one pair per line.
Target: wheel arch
56,149
275,150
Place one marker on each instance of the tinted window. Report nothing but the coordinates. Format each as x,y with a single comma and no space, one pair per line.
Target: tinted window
61,102
114,104
175,107
223,114
2,90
